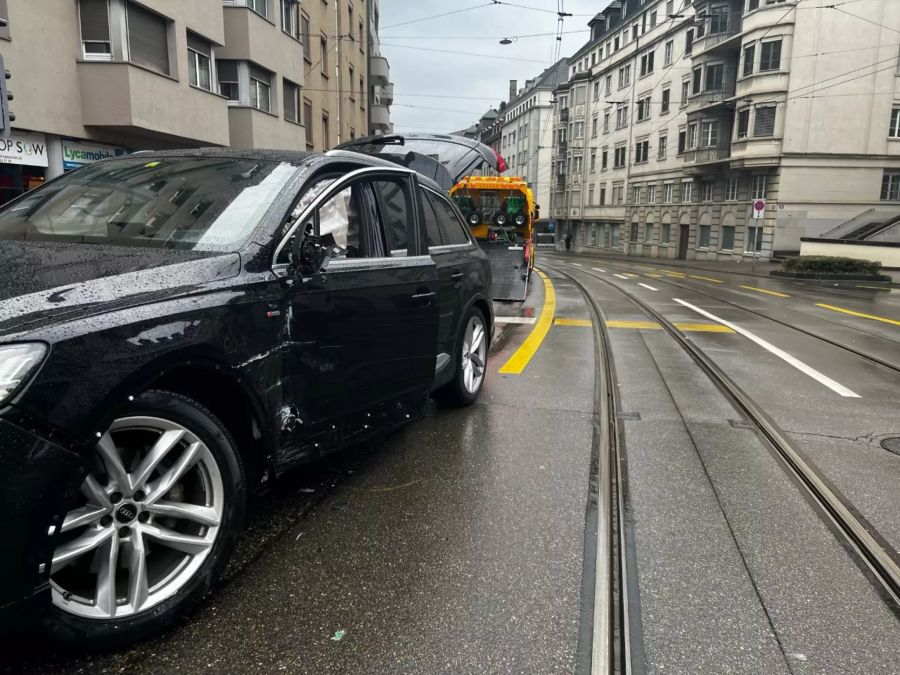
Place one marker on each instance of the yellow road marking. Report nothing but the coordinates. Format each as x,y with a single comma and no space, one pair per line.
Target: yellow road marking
676,275
519,360
630,275
573,322
683,327
715,281
872,317
642,267
767,292
655,276
703,328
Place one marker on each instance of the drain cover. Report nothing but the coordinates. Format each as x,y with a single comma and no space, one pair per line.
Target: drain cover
891,444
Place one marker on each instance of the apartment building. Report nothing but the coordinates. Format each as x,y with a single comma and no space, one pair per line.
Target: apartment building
381,89
679,115
526,133
98,78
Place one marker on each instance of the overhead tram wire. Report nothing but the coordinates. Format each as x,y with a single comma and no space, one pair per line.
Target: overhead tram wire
436,16
450,51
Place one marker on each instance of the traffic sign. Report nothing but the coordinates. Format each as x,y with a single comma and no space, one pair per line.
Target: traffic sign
759,209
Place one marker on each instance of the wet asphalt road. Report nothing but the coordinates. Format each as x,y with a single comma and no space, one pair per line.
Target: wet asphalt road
456,545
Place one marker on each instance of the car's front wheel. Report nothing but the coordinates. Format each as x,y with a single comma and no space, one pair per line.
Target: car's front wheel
471,366
160,509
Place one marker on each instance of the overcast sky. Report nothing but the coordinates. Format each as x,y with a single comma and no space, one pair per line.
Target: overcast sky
470,83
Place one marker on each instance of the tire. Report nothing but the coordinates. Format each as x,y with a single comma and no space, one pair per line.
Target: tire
500,219
475,218
462,390
519,219
182,554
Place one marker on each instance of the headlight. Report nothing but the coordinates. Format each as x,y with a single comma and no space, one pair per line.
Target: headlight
17,362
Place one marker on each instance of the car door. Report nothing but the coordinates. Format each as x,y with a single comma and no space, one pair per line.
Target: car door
452,257
362,327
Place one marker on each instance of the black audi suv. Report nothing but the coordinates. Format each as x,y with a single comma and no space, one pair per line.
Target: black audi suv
176,329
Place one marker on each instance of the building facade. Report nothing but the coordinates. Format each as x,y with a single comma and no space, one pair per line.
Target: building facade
678,117
526,133
97,78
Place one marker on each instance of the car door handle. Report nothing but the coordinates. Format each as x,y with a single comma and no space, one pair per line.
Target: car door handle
423,296
456,276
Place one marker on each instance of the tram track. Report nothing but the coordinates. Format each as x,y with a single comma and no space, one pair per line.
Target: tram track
875,360
847,524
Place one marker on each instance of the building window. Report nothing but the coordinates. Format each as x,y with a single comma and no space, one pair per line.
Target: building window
709,134
604,160
682,141
260,89
647,63
94,17
289,17
714,75
362,92
624,76
743,126
350,20
148,39
199,60
596,90
895,123
759,187
665,233
706,192
308,122
687,192
594,125
643,108
663,149
361,36
350,79
718,20
703,240
770,56
228,80
754,239
641,152
890,186
666,100
622,115
727,238
619,158
304,37
634,232
326,133
602,195
685,92
323,51
609,85
668,54
648,233
731,189
668,190
291,94
689,41
697,80
693,136
593,161
606,122
261,7
651,194
764,124
749,57
591,195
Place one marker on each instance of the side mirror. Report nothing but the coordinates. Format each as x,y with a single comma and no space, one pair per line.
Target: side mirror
314,252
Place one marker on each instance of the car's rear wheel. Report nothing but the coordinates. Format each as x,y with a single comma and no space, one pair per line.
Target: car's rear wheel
160,509
471,366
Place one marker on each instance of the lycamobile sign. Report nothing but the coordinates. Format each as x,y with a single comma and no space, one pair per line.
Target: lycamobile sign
77,154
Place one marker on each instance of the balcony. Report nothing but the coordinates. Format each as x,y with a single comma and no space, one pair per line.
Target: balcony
711,43
381,117
386,96
710,99
250,37
133,101
694,159
379,71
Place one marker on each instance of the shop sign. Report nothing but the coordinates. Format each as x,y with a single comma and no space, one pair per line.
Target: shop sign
77,154
24,147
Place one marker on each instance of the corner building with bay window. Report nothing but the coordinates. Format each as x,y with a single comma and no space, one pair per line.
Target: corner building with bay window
678,115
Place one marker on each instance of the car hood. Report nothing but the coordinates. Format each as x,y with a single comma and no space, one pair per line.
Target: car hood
43,282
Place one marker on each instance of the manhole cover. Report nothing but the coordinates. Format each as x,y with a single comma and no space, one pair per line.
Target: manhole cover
891,444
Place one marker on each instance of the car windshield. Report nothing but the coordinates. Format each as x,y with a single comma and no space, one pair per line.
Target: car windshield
186,203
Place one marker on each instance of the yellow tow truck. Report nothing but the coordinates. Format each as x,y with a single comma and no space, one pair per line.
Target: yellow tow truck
501,213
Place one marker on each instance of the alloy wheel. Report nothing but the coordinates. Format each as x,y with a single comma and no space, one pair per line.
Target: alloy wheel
474,354
154,502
